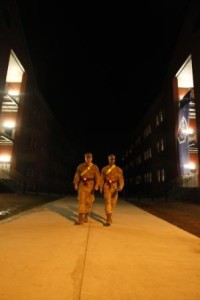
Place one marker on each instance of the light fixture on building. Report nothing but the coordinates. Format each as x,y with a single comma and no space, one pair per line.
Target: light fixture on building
5,158
13,92
9,124
188,131
190,166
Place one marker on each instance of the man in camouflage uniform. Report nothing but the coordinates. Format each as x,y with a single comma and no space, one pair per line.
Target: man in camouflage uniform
86,181
112,181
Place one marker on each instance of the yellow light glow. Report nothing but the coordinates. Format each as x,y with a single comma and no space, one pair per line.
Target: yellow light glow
190,166
5,158
188,131
181,96
13,93
9,124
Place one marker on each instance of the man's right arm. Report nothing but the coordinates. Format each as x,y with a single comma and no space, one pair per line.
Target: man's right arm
101,181
76,179
97,179
121,180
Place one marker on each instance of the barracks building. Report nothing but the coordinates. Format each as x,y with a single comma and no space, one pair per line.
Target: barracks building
34,153
164,152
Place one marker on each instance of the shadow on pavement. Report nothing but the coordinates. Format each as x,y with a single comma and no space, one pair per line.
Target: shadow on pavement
70,213
97,217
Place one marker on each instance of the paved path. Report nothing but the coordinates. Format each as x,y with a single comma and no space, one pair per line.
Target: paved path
44,256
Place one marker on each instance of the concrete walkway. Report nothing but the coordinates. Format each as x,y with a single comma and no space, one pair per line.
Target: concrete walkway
44,256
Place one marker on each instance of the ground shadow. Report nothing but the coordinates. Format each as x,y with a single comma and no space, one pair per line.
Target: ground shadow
69,212
97,217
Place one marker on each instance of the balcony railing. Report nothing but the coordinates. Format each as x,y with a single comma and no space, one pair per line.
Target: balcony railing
12,180
10,103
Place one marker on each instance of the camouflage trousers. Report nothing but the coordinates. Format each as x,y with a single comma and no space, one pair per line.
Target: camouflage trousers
110,197
85,200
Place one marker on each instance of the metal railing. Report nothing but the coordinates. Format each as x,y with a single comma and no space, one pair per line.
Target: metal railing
12,180
177,187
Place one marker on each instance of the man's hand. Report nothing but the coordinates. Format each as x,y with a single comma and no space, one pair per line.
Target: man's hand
76,187
96,187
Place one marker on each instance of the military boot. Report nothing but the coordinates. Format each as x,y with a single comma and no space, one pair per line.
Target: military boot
86,220
80,219
109,220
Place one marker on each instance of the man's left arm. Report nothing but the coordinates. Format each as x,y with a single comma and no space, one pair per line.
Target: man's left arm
97,179
121,180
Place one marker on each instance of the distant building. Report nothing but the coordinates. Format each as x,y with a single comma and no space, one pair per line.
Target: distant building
164,151
34,152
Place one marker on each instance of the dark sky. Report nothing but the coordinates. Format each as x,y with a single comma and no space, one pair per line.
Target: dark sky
104,64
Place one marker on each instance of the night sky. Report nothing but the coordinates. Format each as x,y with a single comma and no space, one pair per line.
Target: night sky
100,61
